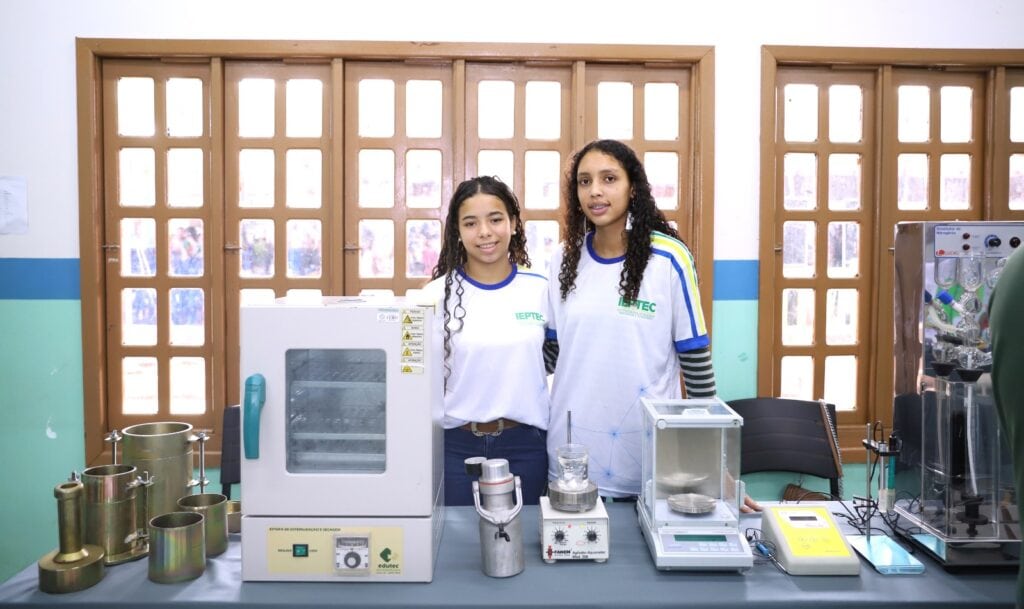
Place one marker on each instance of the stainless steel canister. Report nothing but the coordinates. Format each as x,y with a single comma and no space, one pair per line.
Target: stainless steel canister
165,451
498,497
214,508
177,547
115,512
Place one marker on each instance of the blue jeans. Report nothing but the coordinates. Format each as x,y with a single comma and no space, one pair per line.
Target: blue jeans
524,446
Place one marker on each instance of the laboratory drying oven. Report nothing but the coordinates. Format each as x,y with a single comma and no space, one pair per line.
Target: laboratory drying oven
342,469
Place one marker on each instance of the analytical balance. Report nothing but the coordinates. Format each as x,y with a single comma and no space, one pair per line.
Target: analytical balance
691,493
573,521
342,440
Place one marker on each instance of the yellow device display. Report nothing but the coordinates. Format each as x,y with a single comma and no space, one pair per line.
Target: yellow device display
808,541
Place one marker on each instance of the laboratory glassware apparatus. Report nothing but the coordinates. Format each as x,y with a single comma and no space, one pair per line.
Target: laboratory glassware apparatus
952,479
573,521
691,494
498,498
342,468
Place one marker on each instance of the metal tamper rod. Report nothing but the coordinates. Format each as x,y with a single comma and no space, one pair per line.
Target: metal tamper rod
201,437
73,566
113,438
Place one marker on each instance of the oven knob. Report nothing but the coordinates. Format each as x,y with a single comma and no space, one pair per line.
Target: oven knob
1014,241
352,560
993,241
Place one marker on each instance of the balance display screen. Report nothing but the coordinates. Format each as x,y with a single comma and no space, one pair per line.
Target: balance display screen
698,538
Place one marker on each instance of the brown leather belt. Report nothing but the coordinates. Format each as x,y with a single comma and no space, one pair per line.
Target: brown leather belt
493,428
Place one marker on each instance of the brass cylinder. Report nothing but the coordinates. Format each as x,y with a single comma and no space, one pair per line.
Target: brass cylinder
177,547
73,566
165,451
214,508
111,517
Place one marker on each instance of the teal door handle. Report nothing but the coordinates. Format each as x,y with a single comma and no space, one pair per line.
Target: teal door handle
255,396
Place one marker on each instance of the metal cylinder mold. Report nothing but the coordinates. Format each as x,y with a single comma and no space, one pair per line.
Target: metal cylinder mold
165,451
177,547
73,565
115,512
214,508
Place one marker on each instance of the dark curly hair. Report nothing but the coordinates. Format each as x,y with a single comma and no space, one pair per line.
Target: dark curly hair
645,218
453,254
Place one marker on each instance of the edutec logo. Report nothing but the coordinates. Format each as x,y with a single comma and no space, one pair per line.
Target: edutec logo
385,554
530,316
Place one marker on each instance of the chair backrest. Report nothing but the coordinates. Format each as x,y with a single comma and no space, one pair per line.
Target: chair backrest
230,451
781,434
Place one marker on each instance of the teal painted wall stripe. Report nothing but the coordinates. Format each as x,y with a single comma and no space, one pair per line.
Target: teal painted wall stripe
735,280
39,279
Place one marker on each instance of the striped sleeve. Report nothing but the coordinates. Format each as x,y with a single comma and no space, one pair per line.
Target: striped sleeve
550,355
698,374
689,313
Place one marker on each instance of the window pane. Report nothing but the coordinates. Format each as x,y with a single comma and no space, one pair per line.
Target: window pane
956,114
541,241
844,182
305,248
663,174
423,244
135,106
304,107
376,178
185,247
256,107
138,247
797,377
188,385
304,178
138,316
496,163
257,239
845,113
423,108
187,316
912,181
184,107
185,177
542,172
1017,114
798,249
255,178
841,317
801,113
495,109
376,248
841,381
797,316
139,385
136,184
914,118
661,111
615,110
376,107
800,181
423,178
543,110
843,249
1017,181
955,181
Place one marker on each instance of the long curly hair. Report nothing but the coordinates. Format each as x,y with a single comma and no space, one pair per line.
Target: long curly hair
644,218
453,254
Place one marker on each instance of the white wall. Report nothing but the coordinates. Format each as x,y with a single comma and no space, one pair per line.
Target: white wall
37,66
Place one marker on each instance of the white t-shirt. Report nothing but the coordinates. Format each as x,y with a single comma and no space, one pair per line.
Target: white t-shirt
497,359
611,355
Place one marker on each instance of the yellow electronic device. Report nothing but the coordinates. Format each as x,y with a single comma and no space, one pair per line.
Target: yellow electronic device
807,540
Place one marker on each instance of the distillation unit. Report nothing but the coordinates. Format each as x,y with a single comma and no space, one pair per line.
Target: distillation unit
952,481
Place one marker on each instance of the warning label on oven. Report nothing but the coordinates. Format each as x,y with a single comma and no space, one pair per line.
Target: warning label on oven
411,349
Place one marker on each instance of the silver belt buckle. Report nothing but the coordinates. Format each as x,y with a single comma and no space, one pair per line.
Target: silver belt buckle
495,433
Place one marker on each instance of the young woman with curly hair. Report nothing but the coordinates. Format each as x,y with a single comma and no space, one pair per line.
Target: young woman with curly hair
626,312
496,396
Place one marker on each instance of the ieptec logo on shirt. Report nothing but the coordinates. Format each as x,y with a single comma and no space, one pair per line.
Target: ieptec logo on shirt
532,318
644,309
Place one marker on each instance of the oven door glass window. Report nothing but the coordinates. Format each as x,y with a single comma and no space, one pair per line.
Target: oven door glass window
337,401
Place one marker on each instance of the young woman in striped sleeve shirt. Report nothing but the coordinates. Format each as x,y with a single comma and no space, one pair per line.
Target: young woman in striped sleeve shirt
626,315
